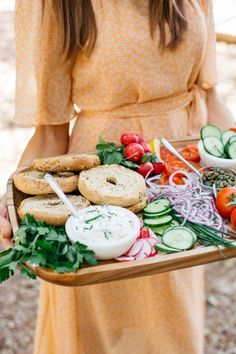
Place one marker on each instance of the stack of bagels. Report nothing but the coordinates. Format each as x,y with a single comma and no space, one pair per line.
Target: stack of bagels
87,182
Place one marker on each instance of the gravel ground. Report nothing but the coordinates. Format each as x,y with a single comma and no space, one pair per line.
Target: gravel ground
18,296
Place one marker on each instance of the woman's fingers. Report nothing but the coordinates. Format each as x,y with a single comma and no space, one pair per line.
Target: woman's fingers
5,232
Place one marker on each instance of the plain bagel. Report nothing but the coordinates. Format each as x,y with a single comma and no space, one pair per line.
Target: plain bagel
33,182
70,162
112,184
137,208
49,208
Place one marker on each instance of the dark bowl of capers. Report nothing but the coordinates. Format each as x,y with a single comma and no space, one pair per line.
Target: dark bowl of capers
218,178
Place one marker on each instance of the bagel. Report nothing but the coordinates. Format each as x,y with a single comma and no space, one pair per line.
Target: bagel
137,208
63,163
49,208
112,184
33,182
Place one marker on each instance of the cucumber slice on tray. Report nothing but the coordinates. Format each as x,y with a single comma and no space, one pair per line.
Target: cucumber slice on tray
213,146
210,130
156,215
157,207
159,221
160,230
164,249
179,238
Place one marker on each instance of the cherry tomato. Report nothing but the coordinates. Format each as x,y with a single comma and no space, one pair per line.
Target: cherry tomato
159,167
190,153
145,168
146,146
144,233
225,196
140,138
128,138
233,219
233,129
134,152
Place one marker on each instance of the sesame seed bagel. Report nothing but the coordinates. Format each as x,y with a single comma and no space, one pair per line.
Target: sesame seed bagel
63,163
49,208
112,184
33,182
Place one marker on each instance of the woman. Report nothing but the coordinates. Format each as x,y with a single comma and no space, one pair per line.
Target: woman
132,65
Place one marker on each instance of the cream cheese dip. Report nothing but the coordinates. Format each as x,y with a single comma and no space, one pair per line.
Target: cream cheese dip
107,230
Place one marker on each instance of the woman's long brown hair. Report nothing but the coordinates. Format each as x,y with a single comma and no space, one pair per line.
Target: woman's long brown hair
77,23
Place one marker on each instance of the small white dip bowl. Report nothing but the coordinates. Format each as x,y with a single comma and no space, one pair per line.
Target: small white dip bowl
210,160
104,248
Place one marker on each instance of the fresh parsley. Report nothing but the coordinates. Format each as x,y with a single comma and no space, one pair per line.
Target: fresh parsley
43,245
111,153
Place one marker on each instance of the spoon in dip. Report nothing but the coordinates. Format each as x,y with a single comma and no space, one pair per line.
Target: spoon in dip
53,184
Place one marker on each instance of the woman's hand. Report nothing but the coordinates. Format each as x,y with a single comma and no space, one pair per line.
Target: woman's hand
218,112
46,141
5,226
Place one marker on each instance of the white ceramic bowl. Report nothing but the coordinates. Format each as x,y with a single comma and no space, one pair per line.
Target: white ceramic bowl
105,249
210,160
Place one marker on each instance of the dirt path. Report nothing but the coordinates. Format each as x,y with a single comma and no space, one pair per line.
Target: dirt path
18,297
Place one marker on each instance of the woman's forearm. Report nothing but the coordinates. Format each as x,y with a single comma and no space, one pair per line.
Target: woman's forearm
47,141
218,113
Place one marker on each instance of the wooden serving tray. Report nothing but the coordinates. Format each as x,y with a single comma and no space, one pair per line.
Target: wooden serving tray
107,271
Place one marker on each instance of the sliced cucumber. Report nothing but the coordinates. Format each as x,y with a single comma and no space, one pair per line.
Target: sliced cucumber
161,229
163,220
178,237
156,215
232,150
159,206
210,130
163,248
226,135
233,138
213,146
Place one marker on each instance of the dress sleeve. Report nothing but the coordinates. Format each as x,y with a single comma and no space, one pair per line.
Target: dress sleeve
43,85
207,76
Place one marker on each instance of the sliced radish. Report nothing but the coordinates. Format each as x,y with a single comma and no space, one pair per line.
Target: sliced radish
154,252
142,248
125,259
135,248
153,241
141,255
147,248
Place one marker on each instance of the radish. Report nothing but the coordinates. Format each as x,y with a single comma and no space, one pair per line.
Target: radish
135,248
142,248
125,258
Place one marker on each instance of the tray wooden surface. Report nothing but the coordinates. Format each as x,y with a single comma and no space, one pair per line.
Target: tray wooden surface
107,271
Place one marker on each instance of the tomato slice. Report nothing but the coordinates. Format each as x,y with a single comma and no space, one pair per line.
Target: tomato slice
233,129
190,153
174,166
164,179
178,180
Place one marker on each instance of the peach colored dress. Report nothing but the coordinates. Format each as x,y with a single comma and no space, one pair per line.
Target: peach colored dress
127,84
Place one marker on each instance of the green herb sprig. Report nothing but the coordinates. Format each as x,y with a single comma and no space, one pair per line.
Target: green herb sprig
111,153
43,245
